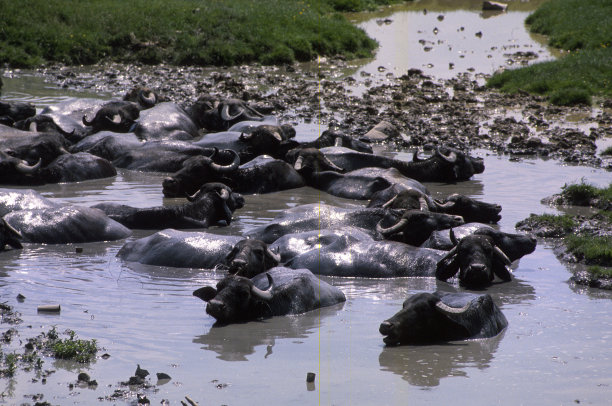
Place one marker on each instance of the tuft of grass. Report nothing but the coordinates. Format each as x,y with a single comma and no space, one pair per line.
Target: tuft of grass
581,27
564,222
182,32
593,250
600,272
581,194
607,151
9,362
74,348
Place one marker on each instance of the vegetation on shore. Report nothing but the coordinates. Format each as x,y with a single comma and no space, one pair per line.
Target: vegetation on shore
583,29
181,32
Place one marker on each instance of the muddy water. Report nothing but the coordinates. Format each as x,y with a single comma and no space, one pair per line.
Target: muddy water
556,349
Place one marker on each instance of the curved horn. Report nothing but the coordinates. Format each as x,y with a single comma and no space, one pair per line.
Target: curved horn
225,114
451,158
12,229
193,197
85,122
33,127
26,169
453,238
399,226
263,294
227,168
116,119
448,255
390,202
246,136
338,142
501,255
415,157
423,204
149,100
446,309
446,205
273,255
298,163
224,194
331,164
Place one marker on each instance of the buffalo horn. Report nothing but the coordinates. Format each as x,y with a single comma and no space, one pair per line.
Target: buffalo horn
26,169
225,114
399,226
227,168
415,157
501,255
390,202
12,229
224,194
273,255
338,142
331,164
33,127
116,119
88,123
445,205
423,204
263,294
451,158
147,100
453,237
192,198
446,309
298,163
448,255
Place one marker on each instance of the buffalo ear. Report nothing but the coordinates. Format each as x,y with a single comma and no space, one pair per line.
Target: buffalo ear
207,293
448,266
502,271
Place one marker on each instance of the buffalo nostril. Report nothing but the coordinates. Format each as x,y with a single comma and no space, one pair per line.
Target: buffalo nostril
385,327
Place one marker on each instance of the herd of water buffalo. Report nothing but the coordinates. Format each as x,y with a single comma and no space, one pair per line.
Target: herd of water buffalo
402,231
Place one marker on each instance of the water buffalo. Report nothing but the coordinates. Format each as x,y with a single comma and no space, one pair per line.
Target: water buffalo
42,123
477,259
416,225
68,115
261,175
470,209
445,165
180,249
144,97
427,318
118,116
278,292
16,111
250,257
65,224
9,236
331,138
219,115
206,208
15,171
107,144
318,216
76,168
514,246
35,147
166,121
350,252
23,199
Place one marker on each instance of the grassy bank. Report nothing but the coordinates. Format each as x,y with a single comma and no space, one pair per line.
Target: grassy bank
581,27
181,32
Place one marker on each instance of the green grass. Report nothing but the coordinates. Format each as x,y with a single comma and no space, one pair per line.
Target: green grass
564,222
182,32
593,250
582,193
74,348
582,27
600,272
607,151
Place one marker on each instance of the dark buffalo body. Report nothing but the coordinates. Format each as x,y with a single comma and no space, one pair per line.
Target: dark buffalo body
278,292
427,318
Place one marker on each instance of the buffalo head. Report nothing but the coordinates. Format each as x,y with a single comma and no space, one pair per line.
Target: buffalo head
477,259
424,319
218,115
13,170
409,199
471,210
251,257
417,225
310,160
445,165
116,116
234,200
9,236
144,96
196,171
235,299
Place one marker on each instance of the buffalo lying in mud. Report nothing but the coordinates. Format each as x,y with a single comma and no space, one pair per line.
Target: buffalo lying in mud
416,226
9,236
398,197
165,121
428,318
445,165
118,116
514,246
278,292
477,259
180,249
219,115
41,123
350,252
211,205
11,112
261,175
65,224
250,257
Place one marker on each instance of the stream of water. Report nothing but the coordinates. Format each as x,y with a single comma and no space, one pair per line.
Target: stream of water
556,349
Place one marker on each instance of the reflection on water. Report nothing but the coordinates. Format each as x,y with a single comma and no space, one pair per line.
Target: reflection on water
427,368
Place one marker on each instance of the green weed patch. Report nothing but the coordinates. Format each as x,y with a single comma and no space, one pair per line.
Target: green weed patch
212,32
592,250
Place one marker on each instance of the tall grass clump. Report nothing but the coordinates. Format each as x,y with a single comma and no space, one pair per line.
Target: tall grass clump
595,250
581,27
194,32
581,194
